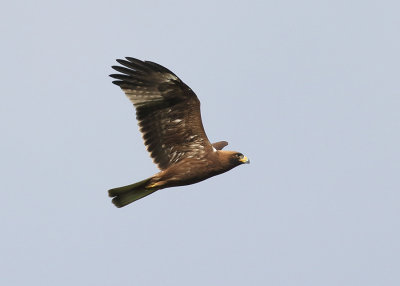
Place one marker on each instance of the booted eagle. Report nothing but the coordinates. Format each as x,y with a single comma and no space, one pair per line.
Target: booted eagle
168,112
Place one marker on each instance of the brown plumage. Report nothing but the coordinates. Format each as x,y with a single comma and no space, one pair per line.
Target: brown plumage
168,112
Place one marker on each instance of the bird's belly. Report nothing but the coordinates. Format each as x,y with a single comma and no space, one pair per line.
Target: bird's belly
188,175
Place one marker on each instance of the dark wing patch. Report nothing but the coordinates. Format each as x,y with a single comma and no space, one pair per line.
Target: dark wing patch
167,110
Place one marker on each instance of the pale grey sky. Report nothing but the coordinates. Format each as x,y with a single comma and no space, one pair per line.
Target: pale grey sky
309,90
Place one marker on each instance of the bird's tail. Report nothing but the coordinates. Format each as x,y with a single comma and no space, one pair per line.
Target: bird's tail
123,196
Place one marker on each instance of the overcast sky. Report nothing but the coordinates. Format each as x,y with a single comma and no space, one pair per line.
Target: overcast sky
308,90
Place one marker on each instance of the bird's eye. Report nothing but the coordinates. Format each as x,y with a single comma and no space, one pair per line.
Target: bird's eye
239,155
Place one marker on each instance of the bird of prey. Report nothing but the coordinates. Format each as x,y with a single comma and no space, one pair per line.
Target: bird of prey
168,113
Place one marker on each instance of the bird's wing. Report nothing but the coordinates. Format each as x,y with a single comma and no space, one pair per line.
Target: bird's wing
167,110
219,145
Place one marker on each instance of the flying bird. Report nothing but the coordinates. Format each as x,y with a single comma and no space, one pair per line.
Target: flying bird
168,113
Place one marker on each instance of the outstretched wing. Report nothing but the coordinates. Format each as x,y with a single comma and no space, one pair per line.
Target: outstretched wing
167,110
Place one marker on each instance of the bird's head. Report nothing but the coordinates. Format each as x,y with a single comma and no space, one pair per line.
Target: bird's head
240,158
234,158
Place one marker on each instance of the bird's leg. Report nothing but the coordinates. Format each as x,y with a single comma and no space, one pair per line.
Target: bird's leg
156,184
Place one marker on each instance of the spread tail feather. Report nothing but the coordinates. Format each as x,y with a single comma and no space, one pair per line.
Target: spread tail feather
128,194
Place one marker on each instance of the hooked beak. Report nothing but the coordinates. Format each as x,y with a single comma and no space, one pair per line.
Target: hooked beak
245,160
